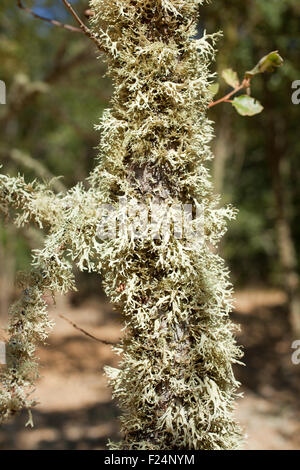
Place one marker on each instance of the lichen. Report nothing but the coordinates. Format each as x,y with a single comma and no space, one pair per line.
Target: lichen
174,383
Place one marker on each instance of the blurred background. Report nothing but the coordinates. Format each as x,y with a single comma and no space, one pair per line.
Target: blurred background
55,94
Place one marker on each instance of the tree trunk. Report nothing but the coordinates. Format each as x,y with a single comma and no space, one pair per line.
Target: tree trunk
286,247
175,382
222,149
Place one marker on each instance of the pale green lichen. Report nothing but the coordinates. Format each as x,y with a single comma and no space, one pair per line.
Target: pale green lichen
175,382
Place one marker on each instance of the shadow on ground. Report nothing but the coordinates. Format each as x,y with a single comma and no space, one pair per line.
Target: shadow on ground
267,339
88,428
270,381
76,411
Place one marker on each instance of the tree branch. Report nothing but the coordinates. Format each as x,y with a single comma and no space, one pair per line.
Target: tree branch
15,193
82,26
226,99
85,332
48,20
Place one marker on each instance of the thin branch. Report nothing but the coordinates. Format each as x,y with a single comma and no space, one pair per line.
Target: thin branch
82,26
226,99
48,20
85,332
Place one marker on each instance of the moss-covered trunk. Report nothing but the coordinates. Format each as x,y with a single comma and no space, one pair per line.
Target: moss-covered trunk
175,383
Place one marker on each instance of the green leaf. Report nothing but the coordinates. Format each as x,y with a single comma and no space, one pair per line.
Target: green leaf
231,78
267,64
213,89
247,106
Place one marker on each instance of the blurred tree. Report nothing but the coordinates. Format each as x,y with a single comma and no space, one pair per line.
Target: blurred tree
54,90
261,162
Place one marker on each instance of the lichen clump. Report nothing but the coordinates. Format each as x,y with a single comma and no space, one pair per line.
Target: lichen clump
174,383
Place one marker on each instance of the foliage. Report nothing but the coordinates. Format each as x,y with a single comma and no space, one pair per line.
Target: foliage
245,105
249,32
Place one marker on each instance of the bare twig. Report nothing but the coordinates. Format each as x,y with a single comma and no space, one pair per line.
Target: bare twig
85,332
82,26
48,20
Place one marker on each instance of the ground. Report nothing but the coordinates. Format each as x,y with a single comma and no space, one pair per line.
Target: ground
76,410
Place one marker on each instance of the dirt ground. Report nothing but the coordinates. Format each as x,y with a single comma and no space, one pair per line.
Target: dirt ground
76,410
